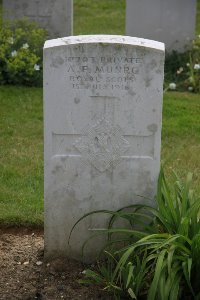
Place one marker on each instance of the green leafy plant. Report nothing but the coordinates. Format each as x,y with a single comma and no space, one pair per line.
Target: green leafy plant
160,259
21,53
193,72
130,281
182,70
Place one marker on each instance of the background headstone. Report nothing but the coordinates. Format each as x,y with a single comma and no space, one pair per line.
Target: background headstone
55,16
102,111
168,21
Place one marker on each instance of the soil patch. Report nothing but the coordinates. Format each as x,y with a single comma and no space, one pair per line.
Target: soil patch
24,274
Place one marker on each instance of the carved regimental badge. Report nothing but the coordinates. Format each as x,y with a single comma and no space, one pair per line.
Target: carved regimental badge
102,145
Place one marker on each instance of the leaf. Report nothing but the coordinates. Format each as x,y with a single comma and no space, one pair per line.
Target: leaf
170,258
186,270
175,287
85,216
158,269
132,294
92,276
130,273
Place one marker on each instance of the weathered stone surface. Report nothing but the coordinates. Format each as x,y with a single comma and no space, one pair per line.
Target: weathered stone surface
55,16
171,22
102,109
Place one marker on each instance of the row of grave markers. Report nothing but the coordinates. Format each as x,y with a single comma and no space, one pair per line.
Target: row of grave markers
171,21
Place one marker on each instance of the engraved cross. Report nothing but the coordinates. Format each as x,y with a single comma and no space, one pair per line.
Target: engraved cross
103,144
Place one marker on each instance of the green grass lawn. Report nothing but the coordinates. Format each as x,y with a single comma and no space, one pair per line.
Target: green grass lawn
21,155
21,148
99,16
181,135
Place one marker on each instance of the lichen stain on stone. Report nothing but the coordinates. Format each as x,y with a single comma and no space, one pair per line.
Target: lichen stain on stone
56,169
71,193
158,71
148,81
152,127
77,100
131,92
63,158
118,46
24,6
144,179
103,44
153,63
123,174
66,42
57,62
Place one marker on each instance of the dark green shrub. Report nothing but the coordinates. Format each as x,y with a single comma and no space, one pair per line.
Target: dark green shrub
173,62
21,53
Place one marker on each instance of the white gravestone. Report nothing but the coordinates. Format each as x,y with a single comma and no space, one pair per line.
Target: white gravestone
55,16
169,21
102,110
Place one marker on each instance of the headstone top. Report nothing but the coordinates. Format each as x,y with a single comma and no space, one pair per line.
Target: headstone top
54,16
170,21
108,39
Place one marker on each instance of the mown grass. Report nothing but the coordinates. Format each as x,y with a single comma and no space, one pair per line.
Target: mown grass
21,148
99,17
181,135
21,161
